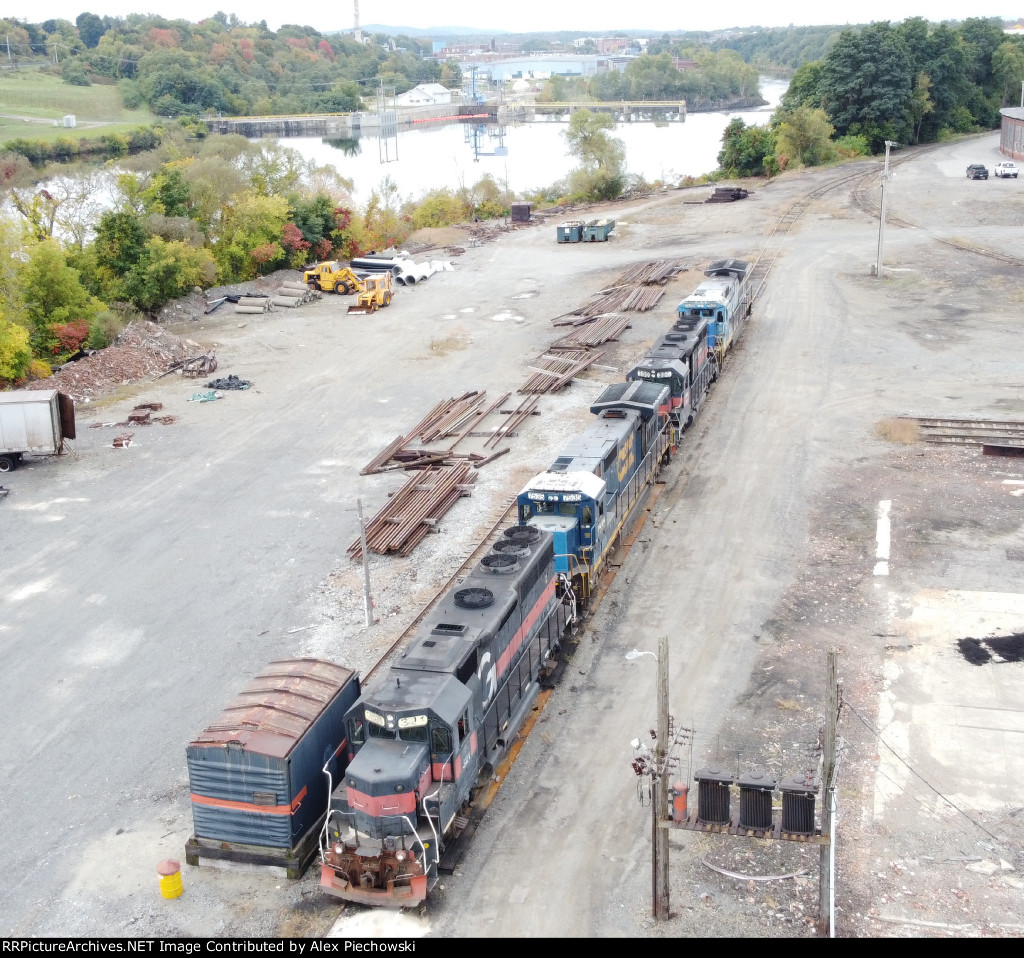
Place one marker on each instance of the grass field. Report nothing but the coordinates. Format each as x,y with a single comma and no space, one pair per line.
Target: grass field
32,101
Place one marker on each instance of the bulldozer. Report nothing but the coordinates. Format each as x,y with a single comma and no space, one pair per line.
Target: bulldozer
375,292
331,275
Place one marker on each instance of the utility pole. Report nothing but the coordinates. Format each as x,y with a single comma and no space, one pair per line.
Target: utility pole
367,597
881,218
659,800
828,772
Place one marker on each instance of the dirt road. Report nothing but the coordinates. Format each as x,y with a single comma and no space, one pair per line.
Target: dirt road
146,585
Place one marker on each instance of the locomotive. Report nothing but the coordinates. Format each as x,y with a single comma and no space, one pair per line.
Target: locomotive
445,714
689,357
588,494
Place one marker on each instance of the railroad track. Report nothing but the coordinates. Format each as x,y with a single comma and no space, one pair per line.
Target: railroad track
864,198
762,267
969,432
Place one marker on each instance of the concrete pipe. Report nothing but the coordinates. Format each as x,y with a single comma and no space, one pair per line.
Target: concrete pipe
250,309
289,301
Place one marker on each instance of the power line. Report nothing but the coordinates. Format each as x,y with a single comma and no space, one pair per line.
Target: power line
910,768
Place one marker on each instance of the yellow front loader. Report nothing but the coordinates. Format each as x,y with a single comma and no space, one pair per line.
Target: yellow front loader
331,275
375,292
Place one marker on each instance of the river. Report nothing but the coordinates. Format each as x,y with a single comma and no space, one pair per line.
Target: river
525,157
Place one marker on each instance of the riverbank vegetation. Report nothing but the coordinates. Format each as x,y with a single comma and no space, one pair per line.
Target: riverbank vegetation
906,83
86,246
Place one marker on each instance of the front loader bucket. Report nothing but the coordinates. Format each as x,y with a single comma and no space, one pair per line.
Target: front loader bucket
361,309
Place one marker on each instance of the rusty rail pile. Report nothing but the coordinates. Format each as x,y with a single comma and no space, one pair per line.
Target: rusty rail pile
413,511
592,331
656,272
556,372
456,419
448,416
518,415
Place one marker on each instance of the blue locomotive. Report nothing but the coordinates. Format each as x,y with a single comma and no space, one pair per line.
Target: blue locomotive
588,493
724,300
446,711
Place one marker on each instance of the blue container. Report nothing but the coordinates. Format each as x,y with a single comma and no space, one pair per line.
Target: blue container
570,232
256,772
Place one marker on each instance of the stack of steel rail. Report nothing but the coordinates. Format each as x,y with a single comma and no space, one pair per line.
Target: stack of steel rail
558,371
657,272
412,512
456,417
592,331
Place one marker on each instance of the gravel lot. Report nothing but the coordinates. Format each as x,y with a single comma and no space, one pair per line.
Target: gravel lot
148,584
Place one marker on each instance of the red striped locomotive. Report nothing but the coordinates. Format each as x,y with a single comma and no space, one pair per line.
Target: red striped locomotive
446,711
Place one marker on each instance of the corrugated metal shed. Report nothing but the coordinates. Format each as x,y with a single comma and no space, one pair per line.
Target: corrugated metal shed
256,771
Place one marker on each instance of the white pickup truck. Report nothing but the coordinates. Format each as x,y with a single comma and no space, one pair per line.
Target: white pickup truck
1006,169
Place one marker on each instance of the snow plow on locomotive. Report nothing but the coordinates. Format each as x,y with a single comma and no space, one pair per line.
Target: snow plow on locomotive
444,714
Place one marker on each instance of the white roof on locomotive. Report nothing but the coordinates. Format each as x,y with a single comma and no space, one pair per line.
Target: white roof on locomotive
583,482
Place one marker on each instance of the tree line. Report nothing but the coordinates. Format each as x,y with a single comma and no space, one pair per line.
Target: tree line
223,65
912,82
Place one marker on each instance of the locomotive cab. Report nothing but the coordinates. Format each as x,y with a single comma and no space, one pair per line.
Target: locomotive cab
569,505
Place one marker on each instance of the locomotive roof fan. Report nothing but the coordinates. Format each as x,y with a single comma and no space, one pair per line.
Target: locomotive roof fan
522,534
474,598
500,563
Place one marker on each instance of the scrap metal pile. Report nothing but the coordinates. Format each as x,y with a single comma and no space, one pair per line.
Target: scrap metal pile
142,349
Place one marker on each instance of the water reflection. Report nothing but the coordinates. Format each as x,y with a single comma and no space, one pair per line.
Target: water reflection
523,157
349,145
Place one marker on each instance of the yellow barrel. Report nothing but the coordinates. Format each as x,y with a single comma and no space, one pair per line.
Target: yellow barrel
170,878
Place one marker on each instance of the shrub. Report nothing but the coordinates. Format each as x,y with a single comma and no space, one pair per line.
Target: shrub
38,369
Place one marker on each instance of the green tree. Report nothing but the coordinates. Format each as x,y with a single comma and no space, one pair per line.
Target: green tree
440,207
867,84
383,225
90,29
53,295
601,174
167,270
250,223
120,241
803,137
804,87
1008,68
745,149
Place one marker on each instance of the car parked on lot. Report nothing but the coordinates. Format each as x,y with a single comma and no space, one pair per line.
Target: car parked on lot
1006,168
977,171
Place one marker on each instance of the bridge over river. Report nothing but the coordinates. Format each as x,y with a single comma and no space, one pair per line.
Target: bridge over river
388,122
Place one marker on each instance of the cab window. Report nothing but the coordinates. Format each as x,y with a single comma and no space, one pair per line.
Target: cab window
441,740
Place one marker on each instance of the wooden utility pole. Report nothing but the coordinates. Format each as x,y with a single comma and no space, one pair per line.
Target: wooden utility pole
367,596
828,771
659,800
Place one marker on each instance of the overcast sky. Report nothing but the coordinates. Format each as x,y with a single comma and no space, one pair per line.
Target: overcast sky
521,16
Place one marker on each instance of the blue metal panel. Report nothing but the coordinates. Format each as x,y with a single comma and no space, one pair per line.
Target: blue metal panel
256,773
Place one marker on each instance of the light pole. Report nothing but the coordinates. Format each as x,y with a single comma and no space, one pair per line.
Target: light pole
881,218
659,791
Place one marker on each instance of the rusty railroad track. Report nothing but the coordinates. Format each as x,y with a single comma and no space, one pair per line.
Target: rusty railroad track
969,432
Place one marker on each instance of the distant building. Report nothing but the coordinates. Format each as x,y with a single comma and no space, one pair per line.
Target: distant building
1011,133
612,44
426,94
